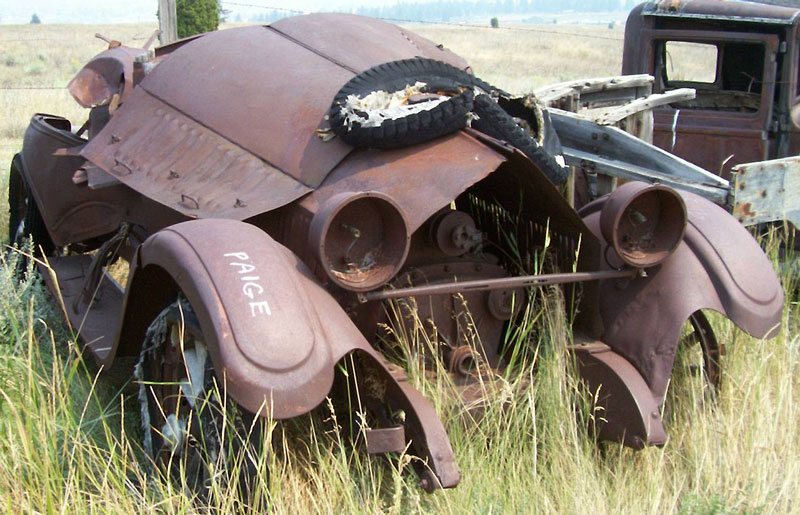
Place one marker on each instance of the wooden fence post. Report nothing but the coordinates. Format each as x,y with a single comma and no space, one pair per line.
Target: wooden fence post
167,21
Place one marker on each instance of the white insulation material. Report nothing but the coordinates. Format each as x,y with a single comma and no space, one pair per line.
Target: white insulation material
383,105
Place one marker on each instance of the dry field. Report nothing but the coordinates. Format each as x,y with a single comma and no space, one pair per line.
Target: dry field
69,442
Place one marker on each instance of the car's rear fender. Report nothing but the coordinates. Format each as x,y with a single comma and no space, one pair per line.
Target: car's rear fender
273,333
71,212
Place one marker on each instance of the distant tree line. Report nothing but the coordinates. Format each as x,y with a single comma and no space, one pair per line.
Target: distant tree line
455,10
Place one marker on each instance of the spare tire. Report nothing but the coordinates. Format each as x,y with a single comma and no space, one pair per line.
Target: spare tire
495,122
446,112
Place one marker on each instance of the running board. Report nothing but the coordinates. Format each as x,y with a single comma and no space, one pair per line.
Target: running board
94,322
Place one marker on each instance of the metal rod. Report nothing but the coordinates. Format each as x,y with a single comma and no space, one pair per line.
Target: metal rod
497,284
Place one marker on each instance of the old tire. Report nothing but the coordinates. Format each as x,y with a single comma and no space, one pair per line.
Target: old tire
495,122
24,219
193,433
445,118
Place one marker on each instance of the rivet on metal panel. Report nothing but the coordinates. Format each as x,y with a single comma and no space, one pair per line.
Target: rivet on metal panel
128,168
189,202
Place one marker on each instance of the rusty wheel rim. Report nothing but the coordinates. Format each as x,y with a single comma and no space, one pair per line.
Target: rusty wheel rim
712,351
179,437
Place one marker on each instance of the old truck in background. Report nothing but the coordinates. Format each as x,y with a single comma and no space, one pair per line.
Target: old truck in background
744,122
714,86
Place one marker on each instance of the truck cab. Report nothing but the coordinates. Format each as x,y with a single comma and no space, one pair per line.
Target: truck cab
742,60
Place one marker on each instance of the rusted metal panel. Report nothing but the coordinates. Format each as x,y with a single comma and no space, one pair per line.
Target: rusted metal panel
278,106
767,191
454,163
96,320
708,140
629,413
165,155
252,92
358,43
729,10
72,212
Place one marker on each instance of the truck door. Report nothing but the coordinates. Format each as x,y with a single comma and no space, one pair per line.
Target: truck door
730,120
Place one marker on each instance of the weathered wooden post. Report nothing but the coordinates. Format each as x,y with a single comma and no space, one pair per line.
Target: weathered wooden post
167,21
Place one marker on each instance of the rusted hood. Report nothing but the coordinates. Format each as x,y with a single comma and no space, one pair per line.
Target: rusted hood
226,125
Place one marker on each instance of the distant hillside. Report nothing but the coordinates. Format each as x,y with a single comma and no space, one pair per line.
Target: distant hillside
789,3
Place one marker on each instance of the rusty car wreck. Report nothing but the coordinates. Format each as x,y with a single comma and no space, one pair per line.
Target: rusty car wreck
211,166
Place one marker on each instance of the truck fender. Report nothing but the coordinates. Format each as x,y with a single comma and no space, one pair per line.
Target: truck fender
271,329
717,266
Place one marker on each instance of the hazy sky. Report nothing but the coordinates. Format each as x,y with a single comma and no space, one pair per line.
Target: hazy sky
110,11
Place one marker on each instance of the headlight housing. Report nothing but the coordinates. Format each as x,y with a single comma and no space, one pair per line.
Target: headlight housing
643,223
361,239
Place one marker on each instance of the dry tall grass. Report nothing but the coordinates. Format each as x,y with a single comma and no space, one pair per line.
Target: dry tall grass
68,443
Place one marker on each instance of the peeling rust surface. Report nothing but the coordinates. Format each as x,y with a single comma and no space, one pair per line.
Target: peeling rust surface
163,154
245,85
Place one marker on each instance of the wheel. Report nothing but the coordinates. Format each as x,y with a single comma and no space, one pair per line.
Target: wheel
495,122
24,219
698,354
194,435
363,118
703,334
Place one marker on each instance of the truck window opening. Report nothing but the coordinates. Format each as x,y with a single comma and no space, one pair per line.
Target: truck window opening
727,75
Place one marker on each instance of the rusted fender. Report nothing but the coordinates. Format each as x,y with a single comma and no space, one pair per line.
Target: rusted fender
628,412
717,266
272,331
107,74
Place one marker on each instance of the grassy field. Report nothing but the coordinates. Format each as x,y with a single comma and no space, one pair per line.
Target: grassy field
69,437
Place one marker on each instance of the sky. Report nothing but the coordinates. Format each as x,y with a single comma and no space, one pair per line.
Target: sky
115,11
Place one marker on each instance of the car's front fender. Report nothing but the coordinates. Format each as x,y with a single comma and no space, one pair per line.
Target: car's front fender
718,266
273,333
